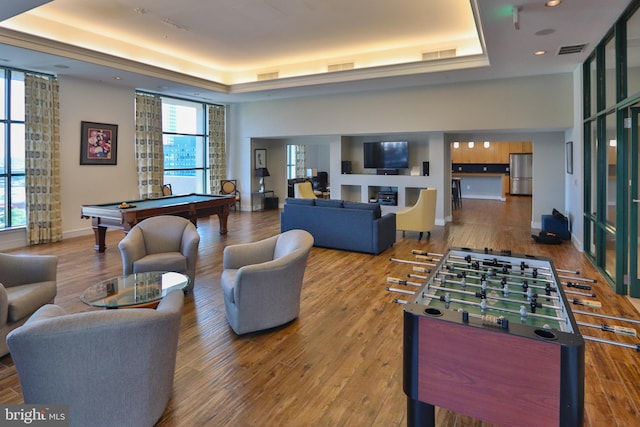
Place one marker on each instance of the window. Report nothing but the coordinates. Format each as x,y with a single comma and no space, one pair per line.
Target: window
12,180
291,161
185,136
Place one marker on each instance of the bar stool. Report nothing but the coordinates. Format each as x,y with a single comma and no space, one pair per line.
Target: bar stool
456,193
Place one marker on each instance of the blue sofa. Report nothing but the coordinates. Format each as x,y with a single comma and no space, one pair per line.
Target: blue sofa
337,224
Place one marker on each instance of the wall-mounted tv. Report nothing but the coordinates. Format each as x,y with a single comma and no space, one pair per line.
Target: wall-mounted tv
386,155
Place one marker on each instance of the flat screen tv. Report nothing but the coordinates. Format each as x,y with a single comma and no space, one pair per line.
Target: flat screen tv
386,155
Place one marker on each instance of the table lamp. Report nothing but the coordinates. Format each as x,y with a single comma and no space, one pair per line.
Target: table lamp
261,173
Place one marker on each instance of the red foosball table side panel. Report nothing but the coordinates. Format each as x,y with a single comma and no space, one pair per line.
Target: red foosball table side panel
489,374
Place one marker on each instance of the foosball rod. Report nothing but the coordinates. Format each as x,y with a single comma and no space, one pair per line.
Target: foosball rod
425,253
636,347
406,261
620,330
468,259
516,284
514,267
499,278
517,290
466,267
582,279
584,294
475,304
491,297
606,316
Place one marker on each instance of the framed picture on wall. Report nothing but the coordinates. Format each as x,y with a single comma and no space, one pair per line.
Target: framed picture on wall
569,156
260,158
98,143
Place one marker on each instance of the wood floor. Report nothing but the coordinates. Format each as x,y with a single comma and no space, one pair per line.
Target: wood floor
340,362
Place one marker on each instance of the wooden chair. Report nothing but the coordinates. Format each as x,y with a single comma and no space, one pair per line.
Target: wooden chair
230,186
166,190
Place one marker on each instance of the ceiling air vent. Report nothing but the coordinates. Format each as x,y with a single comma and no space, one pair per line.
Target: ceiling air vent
439,54
567,50
268,76
340,67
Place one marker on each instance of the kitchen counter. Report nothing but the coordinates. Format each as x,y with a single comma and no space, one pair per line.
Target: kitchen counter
483,185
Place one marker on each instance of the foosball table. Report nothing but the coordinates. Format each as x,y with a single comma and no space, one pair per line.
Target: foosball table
490,336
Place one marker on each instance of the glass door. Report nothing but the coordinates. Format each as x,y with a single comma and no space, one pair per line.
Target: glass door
634,226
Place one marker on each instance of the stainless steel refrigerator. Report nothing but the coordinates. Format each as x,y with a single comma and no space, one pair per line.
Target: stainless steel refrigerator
521,174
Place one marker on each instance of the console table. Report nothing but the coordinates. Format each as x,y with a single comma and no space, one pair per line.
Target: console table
261,200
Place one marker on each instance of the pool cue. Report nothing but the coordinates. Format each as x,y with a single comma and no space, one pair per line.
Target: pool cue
620,330
605,316
636,347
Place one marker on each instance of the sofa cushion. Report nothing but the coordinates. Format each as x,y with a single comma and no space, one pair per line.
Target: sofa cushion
306,202
228,282
329,203
167,261
375,207
24,300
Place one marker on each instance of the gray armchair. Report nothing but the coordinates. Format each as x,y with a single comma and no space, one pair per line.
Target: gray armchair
27,282
161,243
262,281
112,367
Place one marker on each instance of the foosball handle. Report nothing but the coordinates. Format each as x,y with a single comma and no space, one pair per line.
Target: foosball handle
587,303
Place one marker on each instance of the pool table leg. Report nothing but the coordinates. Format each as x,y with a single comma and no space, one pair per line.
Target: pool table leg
100,233
222,217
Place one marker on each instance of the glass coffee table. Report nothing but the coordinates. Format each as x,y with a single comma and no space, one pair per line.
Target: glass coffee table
134,290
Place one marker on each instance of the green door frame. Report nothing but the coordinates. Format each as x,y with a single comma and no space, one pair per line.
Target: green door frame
634,280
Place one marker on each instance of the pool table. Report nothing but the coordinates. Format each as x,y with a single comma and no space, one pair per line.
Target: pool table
190,206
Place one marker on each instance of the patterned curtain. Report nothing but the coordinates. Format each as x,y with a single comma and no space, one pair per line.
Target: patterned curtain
217,140
301,159
42,159
149,148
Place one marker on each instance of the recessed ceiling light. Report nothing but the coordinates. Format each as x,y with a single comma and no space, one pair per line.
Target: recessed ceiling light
540,52
553,3
118,78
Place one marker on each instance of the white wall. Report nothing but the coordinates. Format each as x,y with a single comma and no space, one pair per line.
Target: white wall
538,109
88,184
528,105
95,102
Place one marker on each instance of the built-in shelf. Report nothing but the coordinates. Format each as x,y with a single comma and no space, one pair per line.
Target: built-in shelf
364,187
